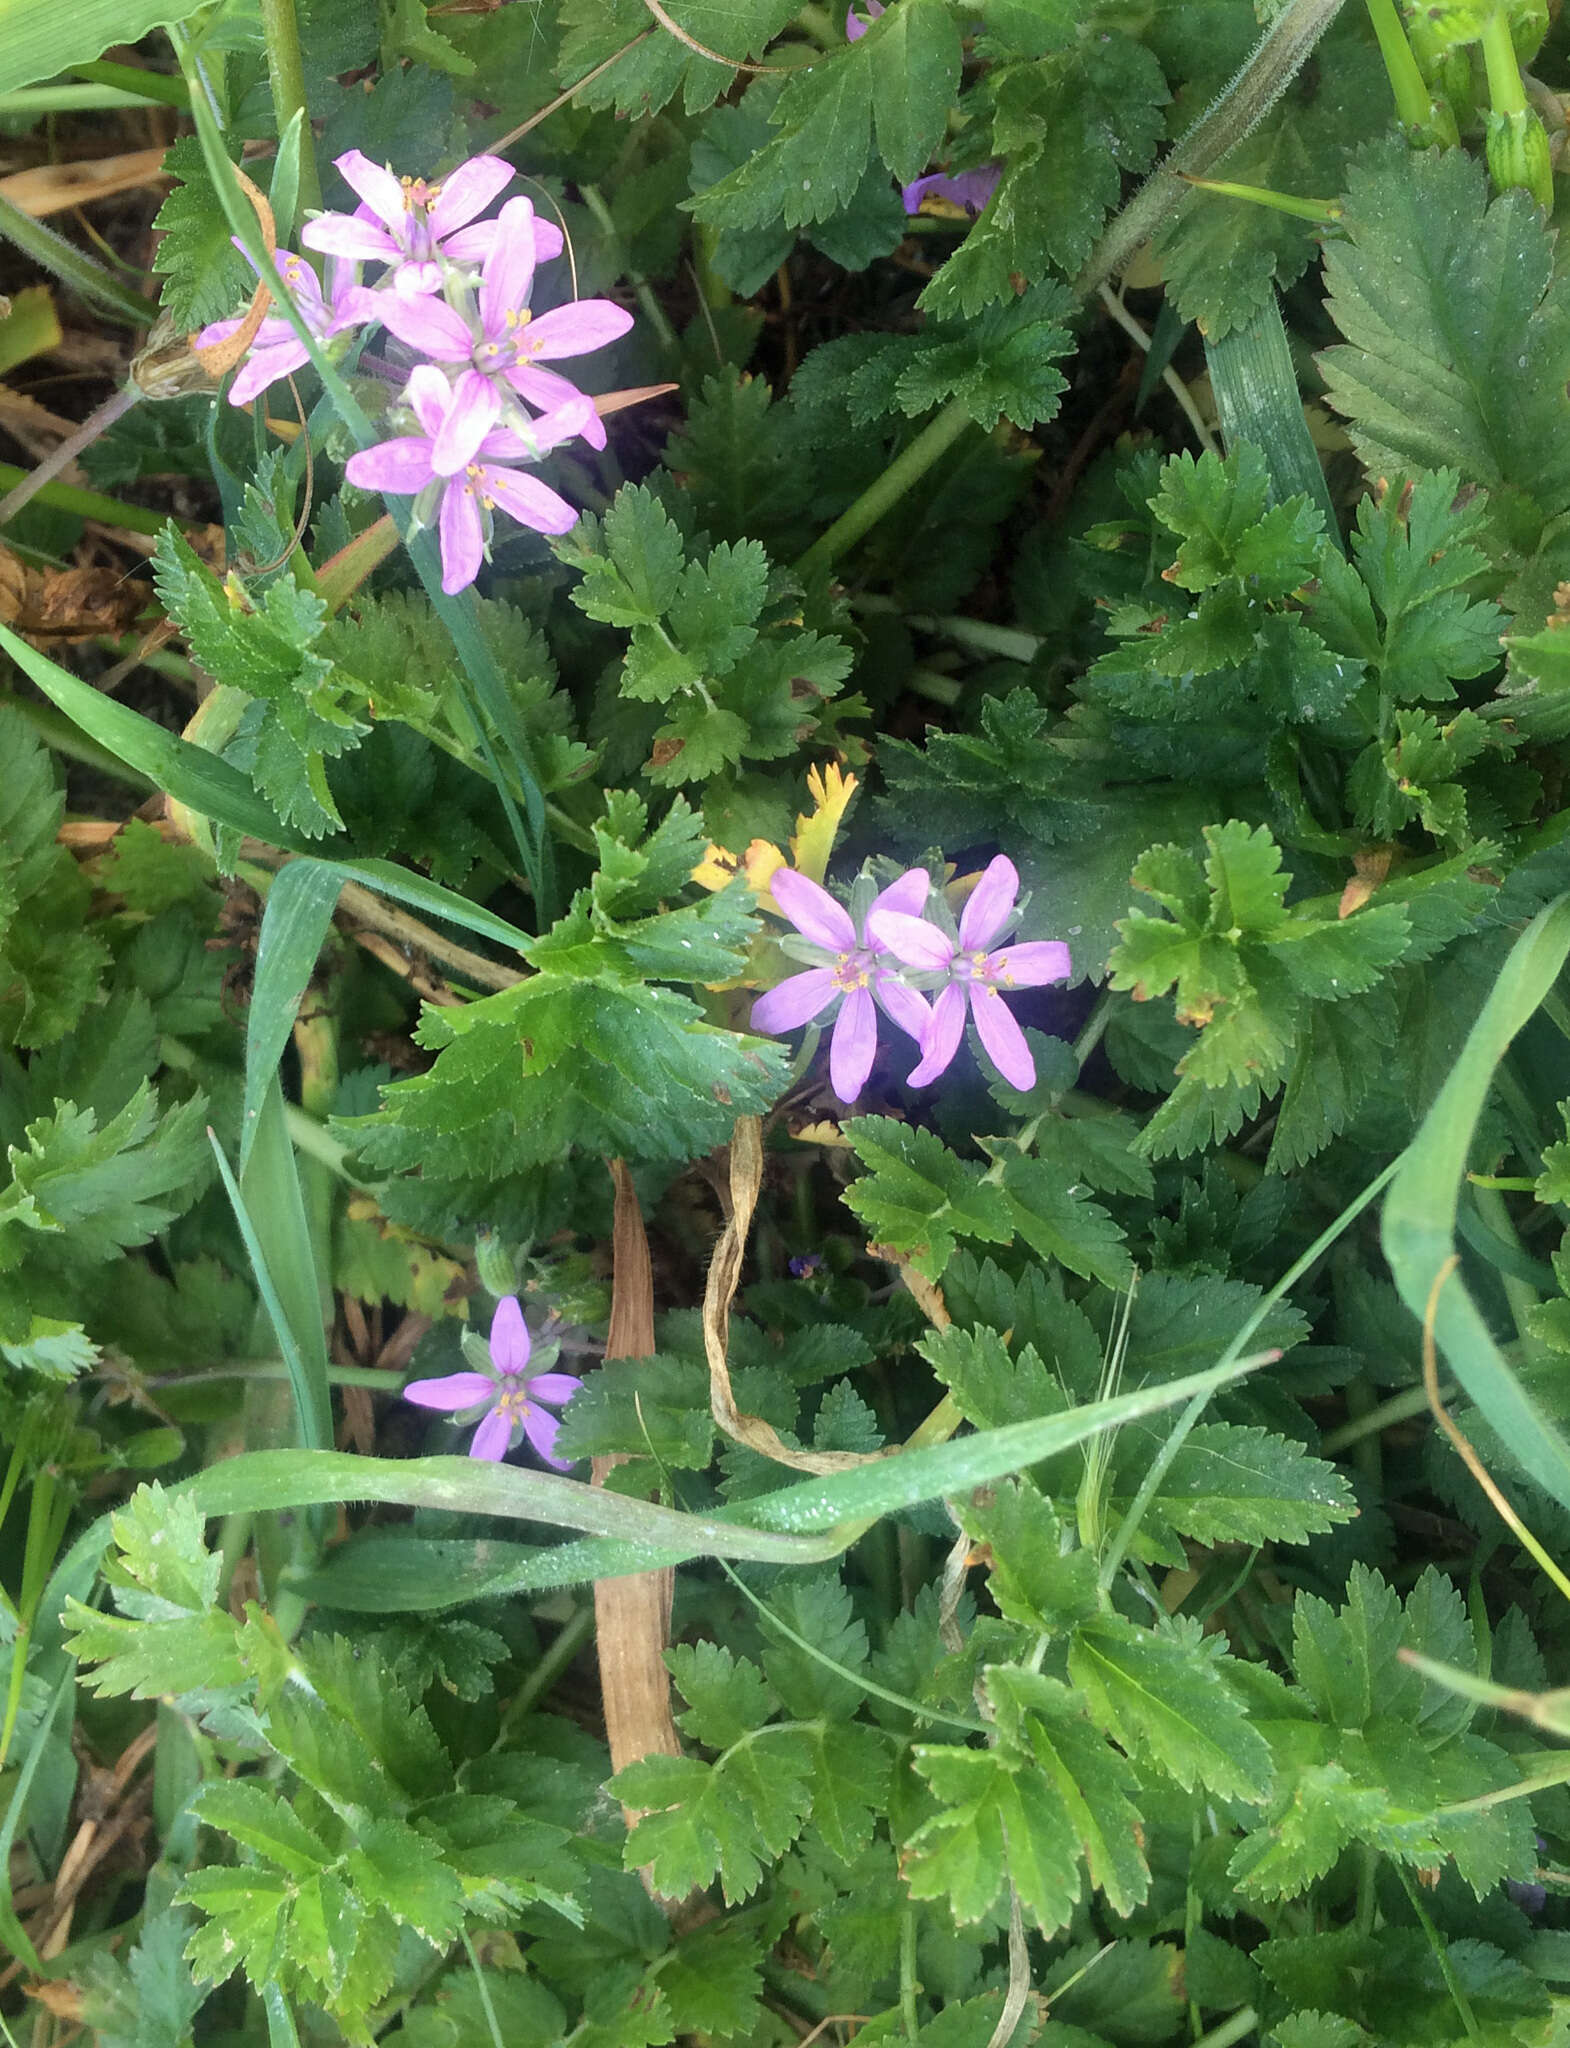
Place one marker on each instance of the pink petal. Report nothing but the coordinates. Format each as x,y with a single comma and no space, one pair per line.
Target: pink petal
468,191
353,305
908,896
457,1390
299,278
853,1045
530,502
566,422
794,1002
414,278
402,467
943,1035
550,392
990,906
813,911
220,330
264,366
910,939
429,394
493,1438
341,234
907,1008
1034,964
470,245
575,330
1002,1037
470,417
541,1429
462,538
509,1338
555,1388
429,325
549,241
376,185
508,276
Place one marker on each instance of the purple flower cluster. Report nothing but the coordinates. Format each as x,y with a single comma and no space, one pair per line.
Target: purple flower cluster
506,1401
891,957
455,291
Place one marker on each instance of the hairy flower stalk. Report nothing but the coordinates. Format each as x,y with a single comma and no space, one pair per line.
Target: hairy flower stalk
507,1400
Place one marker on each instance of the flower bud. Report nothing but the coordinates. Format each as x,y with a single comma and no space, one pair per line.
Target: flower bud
1528,26
497,1266
1518,154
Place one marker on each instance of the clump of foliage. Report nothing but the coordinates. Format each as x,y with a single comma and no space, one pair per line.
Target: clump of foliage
877,761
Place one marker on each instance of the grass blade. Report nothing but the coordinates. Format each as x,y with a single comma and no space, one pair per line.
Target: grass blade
295,925
1419,1225
271,1215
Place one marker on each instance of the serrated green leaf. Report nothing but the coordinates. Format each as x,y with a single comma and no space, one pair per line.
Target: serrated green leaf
731,1819
918,1197
727,1696
1159,1699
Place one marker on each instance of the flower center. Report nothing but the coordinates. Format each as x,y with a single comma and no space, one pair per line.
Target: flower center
502,353
979,966
513,1400
475,486
853,971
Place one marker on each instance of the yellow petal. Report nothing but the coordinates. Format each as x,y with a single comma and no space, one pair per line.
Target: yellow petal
831,790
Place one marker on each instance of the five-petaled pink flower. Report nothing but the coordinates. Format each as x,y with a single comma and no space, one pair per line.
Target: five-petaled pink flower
509,1398
504,340
976,975
416,224
277,350
852,974
458,492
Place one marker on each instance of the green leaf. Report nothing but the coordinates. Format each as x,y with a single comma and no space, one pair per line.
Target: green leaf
732,1818
266,651
1068,128
727,1696
1091,1779
712,1982
106,1189
204,276
41,43
1001,1815
1457,334
642,80
1059,1221
1230,1484
914,55
262,1820
1160,1695
918,1197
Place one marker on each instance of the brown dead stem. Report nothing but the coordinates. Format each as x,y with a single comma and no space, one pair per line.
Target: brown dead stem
632,1614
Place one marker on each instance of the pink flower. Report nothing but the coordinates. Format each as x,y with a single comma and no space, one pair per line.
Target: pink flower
505,341
508,1398
855,27
852,974
975,975
415,225
277,350
461,491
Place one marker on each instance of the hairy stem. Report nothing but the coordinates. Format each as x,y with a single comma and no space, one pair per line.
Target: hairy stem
1235,112
286,76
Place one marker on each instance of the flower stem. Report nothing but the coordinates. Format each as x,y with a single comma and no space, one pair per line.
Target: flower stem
885,492
1414,105
286,76
1506,93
